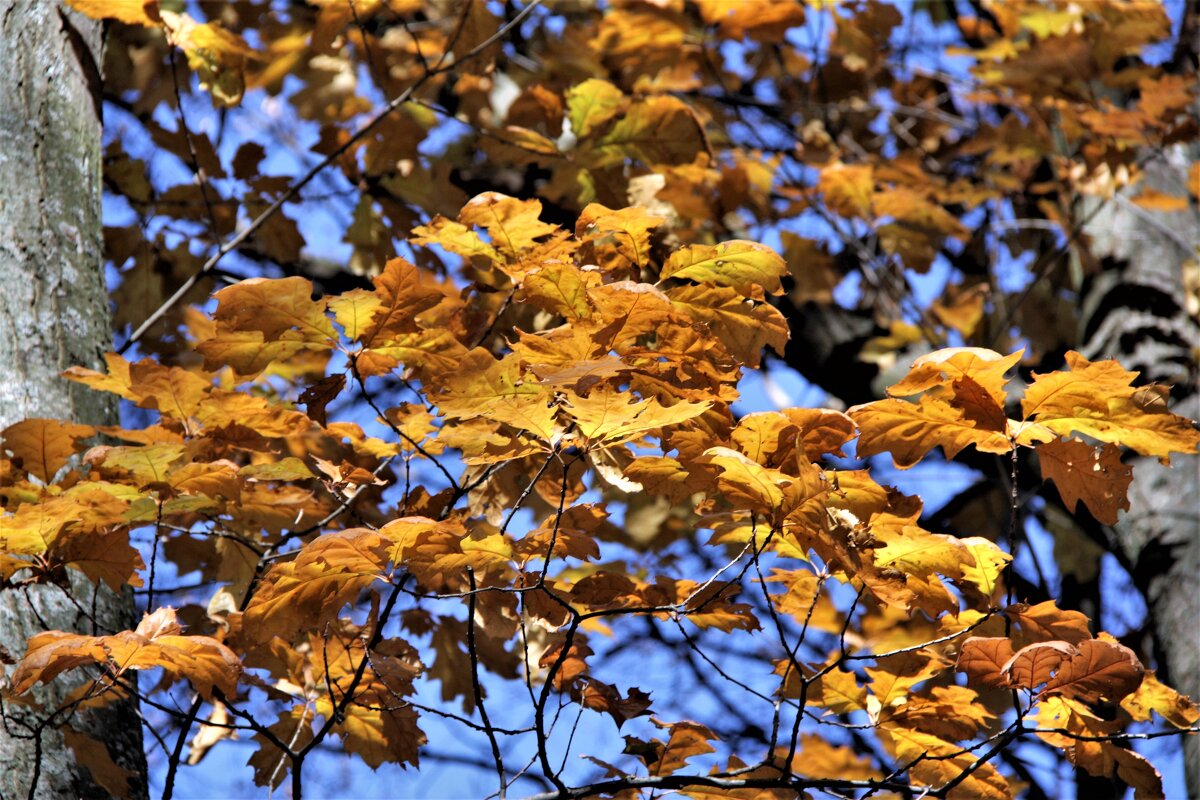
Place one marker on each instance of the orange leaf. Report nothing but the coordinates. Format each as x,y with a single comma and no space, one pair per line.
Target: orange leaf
982,659
156,642
44,445
327,573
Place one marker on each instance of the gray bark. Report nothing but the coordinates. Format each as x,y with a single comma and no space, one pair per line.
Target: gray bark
54,314
1160,535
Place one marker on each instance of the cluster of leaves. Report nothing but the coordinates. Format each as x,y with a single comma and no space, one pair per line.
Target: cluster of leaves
552,467
600,396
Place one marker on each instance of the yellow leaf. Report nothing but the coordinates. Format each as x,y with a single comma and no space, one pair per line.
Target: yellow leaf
217,55
626,232
744,327
1097,400
131,12
590,104
606,416
1153,696
401,298
847,189
747,267
512,224
933,761
354,310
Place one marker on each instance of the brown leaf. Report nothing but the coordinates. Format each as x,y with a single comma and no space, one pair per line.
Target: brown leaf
1094,475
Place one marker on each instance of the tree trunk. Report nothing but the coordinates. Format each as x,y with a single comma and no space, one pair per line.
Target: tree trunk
1138,312
54,314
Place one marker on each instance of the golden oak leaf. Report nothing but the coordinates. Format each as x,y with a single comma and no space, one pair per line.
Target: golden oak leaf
103,558
512,225
917,552
822,431
951,712
427,351
375,729
285,469
227,410
990,562
744,327
1097,400
747,267
592,103
143,465
273,307
1154,696
260,321
1094,475
762,22
156,643
942,367
894,676
933,761
94,756
619,238
116,380
173,392
686,740
1069,724
249,352
748,481
34,527
561,288
605,416
354,310
401,297
496,389
43,445
307,592
910,430
767,438
665,476
659,130
456,238
838,691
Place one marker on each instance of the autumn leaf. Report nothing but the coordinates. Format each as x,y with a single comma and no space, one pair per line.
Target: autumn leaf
306,592
1098,400
156,642
910,430
746,267
44,445
1094,475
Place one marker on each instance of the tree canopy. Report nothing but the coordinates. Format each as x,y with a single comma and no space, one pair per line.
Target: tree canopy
453,336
